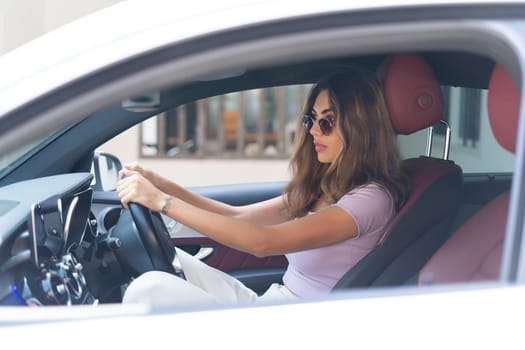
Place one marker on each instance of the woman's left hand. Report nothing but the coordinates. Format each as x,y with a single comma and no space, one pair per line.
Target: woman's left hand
133,187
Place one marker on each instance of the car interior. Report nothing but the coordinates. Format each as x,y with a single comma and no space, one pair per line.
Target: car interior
482,235
453,217
472,252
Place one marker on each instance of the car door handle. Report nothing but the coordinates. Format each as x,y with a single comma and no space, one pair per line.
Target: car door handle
204,252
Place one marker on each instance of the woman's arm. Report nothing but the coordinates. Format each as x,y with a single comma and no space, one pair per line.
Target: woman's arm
245,232
328,226
173,189
267,212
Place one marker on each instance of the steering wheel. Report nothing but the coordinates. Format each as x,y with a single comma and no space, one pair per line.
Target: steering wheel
146,245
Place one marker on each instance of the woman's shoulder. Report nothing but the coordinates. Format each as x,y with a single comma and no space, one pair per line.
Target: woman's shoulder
371,205
369,194
370,188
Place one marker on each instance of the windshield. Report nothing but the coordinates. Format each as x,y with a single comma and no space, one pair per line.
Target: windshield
12,159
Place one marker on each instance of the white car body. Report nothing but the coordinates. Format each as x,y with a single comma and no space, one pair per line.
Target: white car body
483,318
462,316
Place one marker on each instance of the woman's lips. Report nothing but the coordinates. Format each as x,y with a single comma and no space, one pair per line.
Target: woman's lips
319,147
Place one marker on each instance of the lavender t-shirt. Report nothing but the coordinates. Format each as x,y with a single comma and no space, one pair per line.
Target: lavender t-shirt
316,271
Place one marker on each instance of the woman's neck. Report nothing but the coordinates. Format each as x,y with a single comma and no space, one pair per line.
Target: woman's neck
321,203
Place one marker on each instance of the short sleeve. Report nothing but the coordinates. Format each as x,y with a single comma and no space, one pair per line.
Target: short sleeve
371,207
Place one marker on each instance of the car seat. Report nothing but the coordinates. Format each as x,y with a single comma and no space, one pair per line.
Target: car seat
414,100
474,252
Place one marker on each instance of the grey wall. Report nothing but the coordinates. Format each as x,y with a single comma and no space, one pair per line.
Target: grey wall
24,20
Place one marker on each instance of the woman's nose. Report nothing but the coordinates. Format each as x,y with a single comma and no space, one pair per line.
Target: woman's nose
315,129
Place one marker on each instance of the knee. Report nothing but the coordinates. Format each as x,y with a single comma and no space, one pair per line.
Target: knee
159,289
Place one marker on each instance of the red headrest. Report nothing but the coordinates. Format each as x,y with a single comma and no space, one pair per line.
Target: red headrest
412,92
503,107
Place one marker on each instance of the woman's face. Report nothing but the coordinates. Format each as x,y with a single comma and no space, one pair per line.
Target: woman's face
326,146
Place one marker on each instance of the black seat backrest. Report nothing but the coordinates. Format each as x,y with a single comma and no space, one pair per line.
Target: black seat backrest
474,252
414,100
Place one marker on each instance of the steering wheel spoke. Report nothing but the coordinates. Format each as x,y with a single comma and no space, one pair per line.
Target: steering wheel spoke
146,245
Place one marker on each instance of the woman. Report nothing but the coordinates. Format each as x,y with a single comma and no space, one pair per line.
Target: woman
346,184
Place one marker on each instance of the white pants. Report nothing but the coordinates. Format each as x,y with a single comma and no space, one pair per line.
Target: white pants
204,286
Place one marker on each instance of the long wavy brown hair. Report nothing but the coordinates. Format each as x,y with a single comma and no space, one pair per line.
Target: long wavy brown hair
369,153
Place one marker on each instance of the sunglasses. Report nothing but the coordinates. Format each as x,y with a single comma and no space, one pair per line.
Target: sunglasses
325,124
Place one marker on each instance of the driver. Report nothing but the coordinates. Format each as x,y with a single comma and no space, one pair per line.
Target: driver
346,184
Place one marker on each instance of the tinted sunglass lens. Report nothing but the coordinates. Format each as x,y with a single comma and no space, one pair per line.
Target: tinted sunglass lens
325,126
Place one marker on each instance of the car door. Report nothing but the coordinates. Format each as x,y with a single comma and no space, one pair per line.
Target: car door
257,273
